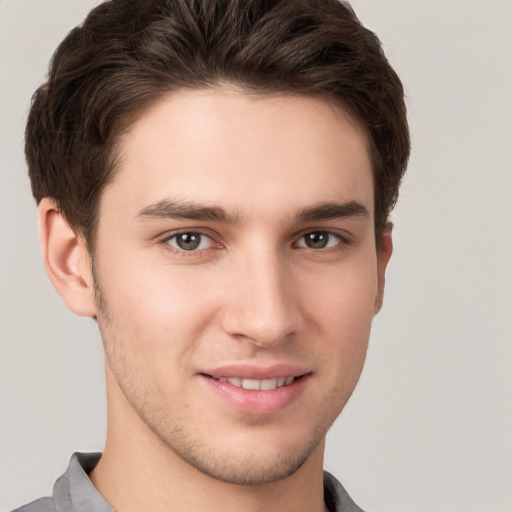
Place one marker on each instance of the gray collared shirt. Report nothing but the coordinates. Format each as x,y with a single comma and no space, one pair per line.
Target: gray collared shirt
74,492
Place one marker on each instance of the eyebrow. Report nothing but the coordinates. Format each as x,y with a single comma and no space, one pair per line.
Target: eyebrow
168,209
332,210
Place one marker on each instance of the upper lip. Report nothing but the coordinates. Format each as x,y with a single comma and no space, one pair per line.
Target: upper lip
251,371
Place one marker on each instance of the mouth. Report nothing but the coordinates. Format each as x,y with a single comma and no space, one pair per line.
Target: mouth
257,390
264,396
256,384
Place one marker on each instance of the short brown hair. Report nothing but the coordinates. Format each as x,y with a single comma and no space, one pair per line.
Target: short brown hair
129,53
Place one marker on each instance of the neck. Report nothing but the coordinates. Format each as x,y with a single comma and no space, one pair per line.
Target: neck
139,472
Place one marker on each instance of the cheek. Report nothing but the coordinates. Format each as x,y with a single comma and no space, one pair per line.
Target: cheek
342,307
343,297
157,314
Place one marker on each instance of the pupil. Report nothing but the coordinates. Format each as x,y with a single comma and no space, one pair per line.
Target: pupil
188,241
317,240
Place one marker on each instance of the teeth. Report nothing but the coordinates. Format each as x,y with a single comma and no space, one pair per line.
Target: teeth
268,384
255,384
251,384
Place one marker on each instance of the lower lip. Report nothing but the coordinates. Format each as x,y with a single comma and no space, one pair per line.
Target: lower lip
257,402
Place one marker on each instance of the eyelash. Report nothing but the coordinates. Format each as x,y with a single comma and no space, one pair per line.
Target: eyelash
341,242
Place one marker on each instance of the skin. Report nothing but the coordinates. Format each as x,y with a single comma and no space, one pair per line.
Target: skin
256,292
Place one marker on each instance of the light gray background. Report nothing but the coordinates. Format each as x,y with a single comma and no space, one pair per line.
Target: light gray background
430,425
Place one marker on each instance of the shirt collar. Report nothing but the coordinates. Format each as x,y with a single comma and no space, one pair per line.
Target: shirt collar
74,491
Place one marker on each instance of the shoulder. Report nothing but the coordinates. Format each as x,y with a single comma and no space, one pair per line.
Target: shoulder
73,491
40,505
336,497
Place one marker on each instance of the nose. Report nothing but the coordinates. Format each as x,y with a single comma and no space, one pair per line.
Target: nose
262,304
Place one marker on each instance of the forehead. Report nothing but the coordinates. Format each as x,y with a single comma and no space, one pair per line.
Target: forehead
242,151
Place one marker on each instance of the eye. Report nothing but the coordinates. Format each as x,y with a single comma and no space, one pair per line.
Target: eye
319,240
189,241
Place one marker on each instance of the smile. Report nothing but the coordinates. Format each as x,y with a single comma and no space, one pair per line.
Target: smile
255,384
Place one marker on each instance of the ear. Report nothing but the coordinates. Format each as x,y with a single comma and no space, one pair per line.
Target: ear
66,260
384,251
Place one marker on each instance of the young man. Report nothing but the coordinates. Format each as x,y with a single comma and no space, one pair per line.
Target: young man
214,180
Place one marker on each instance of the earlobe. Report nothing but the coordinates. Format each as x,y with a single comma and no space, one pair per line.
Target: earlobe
66,260
384,251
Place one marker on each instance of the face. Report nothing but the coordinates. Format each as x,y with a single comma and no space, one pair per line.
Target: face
237,277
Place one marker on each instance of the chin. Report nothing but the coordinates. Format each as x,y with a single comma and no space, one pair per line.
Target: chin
250,469
249,459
